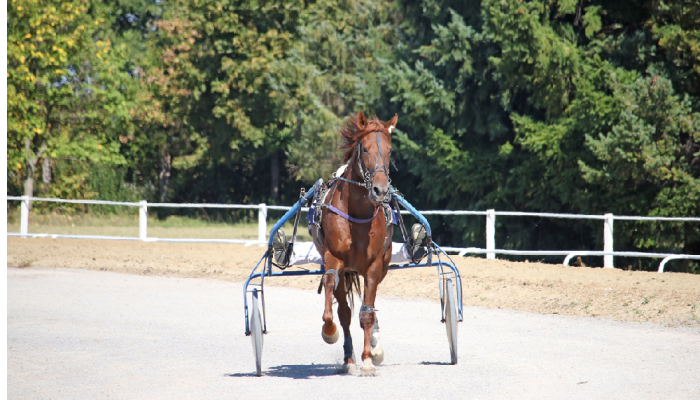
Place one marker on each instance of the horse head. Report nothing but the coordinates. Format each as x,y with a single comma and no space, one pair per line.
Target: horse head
368,144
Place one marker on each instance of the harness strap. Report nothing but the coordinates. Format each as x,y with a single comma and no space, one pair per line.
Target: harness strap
353,219
337,278
350,181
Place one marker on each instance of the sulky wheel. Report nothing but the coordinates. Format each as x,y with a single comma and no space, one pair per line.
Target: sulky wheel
451,319
256,335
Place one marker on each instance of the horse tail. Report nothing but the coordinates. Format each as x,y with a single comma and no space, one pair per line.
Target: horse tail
352,286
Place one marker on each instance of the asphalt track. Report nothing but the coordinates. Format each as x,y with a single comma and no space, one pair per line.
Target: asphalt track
78,334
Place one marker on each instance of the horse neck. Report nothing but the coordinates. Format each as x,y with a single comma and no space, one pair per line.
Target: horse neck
359,205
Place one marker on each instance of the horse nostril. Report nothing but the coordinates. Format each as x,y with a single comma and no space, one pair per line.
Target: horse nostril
377,193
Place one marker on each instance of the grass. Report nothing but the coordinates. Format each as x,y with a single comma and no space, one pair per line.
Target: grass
128,225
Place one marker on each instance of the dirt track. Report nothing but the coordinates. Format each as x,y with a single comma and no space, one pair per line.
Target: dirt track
669,298
77,334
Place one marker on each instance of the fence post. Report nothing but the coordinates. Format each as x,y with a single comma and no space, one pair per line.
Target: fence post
143,219
24,216
608,241
262,222
490,233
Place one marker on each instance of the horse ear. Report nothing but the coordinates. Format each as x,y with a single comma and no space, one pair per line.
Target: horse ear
391,124
361,120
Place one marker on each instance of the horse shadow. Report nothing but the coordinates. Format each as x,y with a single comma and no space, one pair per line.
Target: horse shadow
305,371
296,371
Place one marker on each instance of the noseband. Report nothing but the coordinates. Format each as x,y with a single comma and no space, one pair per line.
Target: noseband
368,175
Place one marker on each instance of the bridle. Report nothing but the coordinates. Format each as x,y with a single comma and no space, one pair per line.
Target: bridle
368,175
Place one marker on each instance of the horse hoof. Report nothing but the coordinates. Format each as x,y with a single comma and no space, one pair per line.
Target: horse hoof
377,354
349,369
332,335
367,368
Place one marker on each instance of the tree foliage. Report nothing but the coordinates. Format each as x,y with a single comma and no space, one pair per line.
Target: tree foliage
547,105
580,107
68,94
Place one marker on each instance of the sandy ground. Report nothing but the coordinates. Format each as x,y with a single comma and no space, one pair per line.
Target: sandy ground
668,298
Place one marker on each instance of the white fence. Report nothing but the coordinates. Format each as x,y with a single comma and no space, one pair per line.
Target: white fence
608,253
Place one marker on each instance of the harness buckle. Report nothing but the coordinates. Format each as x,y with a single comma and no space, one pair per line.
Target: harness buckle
367,310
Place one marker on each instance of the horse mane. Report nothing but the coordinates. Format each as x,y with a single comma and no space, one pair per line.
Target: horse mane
352,133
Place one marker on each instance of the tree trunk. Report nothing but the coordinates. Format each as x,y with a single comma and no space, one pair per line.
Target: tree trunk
46,171
29,184
164,177
274,167
32,159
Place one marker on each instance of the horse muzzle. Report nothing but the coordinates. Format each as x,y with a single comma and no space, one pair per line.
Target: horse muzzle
378,193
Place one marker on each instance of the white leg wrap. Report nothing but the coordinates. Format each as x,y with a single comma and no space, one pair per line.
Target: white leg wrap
377,349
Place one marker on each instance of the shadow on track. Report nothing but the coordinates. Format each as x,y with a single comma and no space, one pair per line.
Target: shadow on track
296,371
434,363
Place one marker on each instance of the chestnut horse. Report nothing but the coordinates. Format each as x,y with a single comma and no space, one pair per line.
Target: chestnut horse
356,235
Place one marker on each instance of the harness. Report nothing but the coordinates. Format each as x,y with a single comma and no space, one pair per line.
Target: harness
349,218
389,206
368,176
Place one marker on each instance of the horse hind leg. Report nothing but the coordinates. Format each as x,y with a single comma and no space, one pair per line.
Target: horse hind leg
329,332
343,294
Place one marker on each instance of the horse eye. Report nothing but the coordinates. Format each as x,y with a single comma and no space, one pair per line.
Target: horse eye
364,150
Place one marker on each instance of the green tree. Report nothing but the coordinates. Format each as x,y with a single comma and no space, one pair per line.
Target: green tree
165,133
560,106
341,47
268,81
214,83
67,96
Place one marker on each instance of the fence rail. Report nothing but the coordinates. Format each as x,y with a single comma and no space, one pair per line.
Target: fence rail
608,253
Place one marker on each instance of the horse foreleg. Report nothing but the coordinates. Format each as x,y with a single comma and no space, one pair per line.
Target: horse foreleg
345,318
329,332
367,321
377,349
